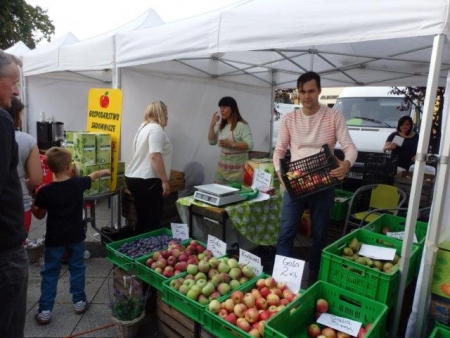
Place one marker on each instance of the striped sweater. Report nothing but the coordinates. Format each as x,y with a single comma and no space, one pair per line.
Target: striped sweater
305,135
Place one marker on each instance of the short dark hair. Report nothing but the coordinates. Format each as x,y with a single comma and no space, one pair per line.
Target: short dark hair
308,76
236,117
16,107
402,120
57,159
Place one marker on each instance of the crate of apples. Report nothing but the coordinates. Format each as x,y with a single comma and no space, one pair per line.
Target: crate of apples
246,311
165,264
204,283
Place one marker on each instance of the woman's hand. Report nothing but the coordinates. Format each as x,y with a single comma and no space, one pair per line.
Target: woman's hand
390,146
225,143
215,119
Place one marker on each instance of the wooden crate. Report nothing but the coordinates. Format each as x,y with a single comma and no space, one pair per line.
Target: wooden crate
171,322
404,181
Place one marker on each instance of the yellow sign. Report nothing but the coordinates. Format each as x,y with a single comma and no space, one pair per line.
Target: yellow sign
105,116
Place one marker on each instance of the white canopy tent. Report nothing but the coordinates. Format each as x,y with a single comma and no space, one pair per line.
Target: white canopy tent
60,74
19,49
247,50
265,44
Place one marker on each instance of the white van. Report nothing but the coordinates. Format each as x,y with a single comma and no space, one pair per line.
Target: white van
371,114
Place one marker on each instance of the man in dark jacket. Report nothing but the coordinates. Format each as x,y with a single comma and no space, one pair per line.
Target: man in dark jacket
13,257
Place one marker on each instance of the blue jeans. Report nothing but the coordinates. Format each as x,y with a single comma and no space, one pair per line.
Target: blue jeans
13,292
320,204
52,268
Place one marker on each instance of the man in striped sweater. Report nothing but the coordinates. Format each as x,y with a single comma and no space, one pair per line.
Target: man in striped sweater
304,131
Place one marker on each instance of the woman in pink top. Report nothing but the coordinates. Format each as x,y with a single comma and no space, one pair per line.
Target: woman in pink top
304,131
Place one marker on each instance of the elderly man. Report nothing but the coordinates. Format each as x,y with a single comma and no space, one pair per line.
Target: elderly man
13,257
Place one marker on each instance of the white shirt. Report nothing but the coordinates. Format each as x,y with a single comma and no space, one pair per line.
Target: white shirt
149,139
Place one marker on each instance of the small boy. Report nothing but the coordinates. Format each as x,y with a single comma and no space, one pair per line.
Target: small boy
63,201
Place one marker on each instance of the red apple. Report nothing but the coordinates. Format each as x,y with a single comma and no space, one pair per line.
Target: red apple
231,318
329,332
237,296
243,324
273,299
249,300
223,313
261,304
229,305
265,291
251,315
260,283
321,305
270,282
282,286
254,333
261,327
239,310
277,291
256,293
314,330
104,100
362,333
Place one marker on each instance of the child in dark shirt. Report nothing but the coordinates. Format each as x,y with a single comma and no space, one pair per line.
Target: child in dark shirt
62,202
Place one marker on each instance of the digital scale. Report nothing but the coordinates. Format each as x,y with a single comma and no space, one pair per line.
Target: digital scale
217,194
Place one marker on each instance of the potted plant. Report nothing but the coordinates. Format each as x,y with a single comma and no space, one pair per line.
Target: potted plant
128,310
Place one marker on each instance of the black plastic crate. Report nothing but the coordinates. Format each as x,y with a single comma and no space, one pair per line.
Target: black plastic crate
379,168
314,173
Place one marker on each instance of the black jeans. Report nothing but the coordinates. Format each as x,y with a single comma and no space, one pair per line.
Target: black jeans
148,201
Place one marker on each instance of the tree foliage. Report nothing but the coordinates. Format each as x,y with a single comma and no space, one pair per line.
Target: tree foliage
20,21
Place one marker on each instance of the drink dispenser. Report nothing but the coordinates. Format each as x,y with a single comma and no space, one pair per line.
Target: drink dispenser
57,133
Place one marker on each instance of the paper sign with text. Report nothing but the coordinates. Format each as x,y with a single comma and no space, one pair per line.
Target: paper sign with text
180,231
342,324
251,260
216,246
398,140
377,252
261,179
400,235
288,270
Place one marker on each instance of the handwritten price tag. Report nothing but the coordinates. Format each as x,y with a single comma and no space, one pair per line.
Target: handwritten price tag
342,324
216,246
180,231
288,270
261,179
251,260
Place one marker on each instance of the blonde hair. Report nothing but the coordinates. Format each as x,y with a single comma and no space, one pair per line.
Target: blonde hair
57,159
156,112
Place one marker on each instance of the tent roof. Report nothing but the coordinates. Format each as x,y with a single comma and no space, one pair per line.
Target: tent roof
349,43
19,49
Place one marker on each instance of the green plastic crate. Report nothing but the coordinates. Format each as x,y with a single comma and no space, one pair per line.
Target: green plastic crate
190,308
440,331
341,202
397,223
220,327
362,279
124,261
148,275
293,320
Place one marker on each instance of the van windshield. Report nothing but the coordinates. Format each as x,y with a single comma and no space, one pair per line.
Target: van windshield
380,112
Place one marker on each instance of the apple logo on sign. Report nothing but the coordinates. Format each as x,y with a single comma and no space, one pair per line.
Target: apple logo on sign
104,100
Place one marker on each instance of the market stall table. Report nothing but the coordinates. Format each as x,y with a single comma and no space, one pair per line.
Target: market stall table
89,203
257,220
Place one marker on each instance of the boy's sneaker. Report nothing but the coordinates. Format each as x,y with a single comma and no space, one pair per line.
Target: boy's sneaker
81,306
44,317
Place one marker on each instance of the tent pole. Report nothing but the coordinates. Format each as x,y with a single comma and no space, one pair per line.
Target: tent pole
272,107
417,180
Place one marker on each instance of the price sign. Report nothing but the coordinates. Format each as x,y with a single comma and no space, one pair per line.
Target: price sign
342,324
377,252
180,231
399,235
251,260
216,246
288,270
261,179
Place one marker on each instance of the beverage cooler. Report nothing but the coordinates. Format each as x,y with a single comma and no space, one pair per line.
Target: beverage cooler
49,134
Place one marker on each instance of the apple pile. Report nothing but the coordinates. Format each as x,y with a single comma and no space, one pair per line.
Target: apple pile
176,258
212,278
350,252
306,182
316,330
249,311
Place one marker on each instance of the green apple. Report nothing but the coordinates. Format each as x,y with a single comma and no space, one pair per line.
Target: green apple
192,269
189,283
232,263
234,284
199,275
201,283
223,267
223,288
208,289
193,294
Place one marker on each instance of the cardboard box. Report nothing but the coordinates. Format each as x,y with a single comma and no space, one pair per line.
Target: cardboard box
264,164
84,170
103,148
104,183
84,148
69,140
440,284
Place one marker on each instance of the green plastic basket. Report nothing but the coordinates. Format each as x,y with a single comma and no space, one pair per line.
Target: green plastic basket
440,331
361,279
189,307
220,327
341,202
150,276
397,223
124,261
293,321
